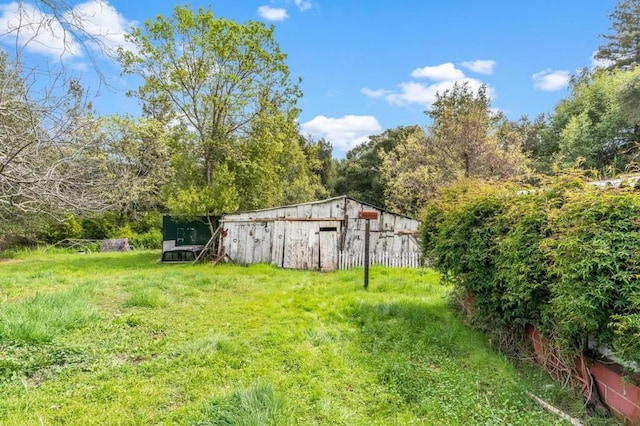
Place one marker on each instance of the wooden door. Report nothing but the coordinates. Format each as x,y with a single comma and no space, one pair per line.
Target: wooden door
296,247
328,249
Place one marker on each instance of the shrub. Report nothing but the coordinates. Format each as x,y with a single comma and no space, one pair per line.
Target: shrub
70,227
148,240
563,258
101,227
147,222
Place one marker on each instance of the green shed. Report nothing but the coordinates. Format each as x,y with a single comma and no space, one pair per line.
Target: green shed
177,232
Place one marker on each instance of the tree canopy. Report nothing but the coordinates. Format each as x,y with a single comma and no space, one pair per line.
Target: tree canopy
591,124
622,49
465,139
359,174
51,158
227,87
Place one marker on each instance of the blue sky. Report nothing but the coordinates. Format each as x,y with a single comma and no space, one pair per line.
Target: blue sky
368,66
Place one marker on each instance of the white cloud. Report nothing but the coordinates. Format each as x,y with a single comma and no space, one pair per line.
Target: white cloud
443,72
444,77
102,22
41,33
272,14
344,133
425,95
304,4
35,31
549,80
481,66
374,93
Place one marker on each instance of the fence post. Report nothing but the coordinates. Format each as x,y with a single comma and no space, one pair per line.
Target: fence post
367,215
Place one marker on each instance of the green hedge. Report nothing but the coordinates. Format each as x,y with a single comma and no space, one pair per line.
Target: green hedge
564,257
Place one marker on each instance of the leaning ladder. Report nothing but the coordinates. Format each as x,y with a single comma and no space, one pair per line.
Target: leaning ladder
210,244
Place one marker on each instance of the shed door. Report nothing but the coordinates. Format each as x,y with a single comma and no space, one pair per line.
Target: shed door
328,256
261,243
296,246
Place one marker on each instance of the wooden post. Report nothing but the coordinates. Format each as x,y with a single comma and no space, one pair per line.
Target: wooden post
366,255
367,215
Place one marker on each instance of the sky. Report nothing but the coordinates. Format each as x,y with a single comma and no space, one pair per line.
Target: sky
366,65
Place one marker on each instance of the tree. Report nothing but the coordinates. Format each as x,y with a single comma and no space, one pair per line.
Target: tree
410,173
51,156
591,123
538,144
321,164
66,29
360,172
465,139
139,150
228,89
628,97
461,136
622,49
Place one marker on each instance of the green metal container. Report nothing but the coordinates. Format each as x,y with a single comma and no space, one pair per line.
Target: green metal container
186,233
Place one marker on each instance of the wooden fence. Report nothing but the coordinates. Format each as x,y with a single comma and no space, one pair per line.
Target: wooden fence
404,260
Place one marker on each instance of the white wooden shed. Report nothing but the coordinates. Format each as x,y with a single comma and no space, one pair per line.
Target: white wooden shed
322,235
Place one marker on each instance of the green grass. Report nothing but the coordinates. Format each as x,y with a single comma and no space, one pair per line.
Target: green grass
120,339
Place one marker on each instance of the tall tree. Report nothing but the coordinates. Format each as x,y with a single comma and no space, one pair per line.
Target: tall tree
538,144
229,88
461,136
322,166
465,139
139,150
591,123
410,173
359,174
628,97
622,49
51,153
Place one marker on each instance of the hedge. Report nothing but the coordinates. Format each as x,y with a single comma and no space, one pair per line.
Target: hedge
564,257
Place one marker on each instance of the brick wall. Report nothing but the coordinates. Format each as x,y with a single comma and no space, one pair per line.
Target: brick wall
621,397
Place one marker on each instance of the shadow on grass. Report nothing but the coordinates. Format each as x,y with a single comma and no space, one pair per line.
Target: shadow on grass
411,327
441,370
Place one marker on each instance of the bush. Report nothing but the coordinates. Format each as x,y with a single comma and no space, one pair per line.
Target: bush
148,240
147,222
100,227
563,258
58,231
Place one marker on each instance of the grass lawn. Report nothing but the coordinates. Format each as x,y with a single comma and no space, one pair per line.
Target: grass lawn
120,339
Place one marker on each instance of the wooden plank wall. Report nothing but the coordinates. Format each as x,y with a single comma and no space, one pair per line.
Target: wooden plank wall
347,260
289,236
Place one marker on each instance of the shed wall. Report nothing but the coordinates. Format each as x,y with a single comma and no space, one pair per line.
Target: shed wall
325,236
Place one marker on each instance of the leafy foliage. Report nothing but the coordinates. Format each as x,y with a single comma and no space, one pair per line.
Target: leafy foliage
562,257
465,139
360,174
589,124
226,88
622,49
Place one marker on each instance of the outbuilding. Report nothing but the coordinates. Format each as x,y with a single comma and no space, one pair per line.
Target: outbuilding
322,235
